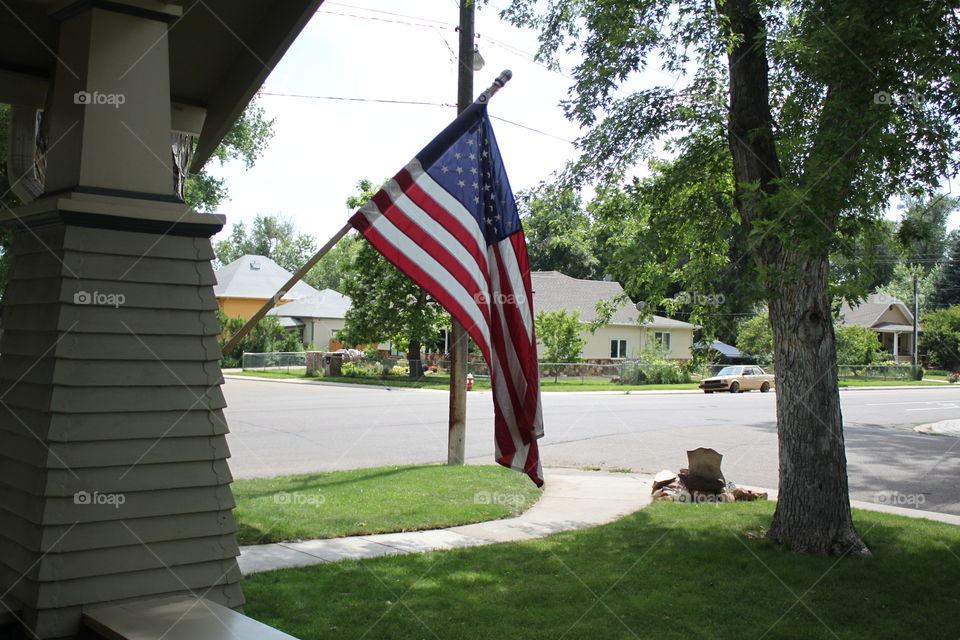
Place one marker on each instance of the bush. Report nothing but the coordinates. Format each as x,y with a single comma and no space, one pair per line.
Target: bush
362,369
266,336
661,373
857,345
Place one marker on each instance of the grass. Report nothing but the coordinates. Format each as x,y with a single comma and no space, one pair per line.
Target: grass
379,500
442,382
669,571
856,382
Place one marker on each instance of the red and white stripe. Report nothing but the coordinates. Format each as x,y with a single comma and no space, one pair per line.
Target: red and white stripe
430,236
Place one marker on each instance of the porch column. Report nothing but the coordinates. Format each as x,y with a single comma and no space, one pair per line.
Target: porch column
114,484
896,347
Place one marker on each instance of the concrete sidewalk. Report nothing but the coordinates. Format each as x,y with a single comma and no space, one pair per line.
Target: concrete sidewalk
572,499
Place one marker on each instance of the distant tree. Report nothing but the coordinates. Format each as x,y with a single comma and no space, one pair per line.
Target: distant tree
271,236
386,305
945,290
922,232
857,345
941,337
755,338
557,230
900,286
560,334
333,267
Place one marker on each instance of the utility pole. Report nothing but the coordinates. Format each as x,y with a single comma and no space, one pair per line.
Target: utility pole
916,326
456,436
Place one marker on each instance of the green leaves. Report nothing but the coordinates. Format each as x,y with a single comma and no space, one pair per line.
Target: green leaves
559,333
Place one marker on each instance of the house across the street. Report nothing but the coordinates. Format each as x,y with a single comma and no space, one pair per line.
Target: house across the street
889,317
317,317
246,283
624,336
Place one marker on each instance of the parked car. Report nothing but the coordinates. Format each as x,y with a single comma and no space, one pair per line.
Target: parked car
738,379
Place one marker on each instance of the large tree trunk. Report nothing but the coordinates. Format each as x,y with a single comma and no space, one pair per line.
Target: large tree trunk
813,511
413,359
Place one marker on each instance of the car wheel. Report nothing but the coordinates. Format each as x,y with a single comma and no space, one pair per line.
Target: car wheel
734,387
765,387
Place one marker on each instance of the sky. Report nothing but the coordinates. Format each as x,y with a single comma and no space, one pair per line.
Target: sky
369,49
393,50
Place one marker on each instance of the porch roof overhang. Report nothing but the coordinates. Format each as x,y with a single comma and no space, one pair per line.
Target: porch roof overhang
221,52
892,327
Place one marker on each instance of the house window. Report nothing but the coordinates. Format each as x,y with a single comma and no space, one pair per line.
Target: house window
663,337
618,348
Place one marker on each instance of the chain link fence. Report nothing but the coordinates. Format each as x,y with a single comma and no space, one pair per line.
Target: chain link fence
284,361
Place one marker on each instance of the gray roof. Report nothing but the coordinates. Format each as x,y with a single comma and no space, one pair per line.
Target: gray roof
323,304
554,291
867,313
257,277
723,348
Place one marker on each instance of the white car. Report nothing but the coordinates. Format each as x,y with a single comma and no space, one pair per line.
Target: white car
738,379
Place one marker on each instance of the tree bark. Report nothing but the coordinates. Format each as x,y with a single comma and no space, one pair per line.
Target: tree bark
413,359
813,510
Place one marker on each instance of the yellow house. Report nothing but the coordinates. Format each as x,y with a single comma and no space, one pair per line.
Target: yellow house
248,282
624,337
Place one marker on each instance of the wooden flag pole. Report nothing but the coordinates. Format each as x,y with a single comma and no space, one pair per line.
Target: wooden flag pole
272,302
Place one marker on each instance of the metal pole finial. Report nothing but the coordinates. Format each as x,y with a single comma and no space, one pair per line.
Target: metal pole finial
501,80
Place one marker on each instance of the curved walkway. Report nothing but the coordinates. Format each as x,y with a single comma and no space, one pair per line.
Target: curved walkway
572,499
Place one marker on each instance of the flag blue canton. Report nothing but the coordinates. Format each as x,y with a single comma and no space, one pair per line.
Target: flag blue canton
472,171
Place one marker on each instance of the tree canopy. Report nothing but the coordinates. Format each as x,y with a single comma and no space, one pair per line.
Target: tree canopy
274,237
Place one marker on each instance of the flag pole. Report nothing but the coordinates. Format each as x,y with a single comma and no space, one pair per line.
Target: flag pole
457,425
272,302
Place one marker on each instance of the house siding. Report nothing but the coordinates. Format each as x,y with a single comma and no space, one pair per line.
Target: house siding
598,344
117,400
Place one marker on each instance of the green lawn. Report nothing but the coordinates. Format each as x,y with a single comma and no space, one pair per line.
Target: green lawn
669,571
379,500
855,382
443,382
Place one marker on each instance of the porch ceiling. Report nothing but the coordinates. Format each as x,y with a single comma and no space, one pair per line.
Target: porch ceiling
221,51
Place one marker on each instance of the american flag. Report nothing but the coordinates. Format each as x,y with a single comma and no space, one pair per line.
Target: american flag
448,220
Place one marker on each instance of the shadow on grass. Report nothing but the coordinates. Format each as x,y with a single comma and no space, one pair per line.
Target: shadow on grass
670,571
316,481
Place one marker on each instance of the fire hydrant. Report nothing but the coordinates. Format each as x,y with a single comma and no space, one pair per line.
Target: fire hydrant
469,381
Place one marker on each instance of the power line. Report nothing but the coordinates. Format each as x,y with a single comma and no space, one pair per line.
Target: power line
409,102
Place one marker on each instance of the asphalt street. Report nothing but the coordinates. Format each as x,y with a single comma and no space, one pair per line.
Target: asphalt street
282,428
